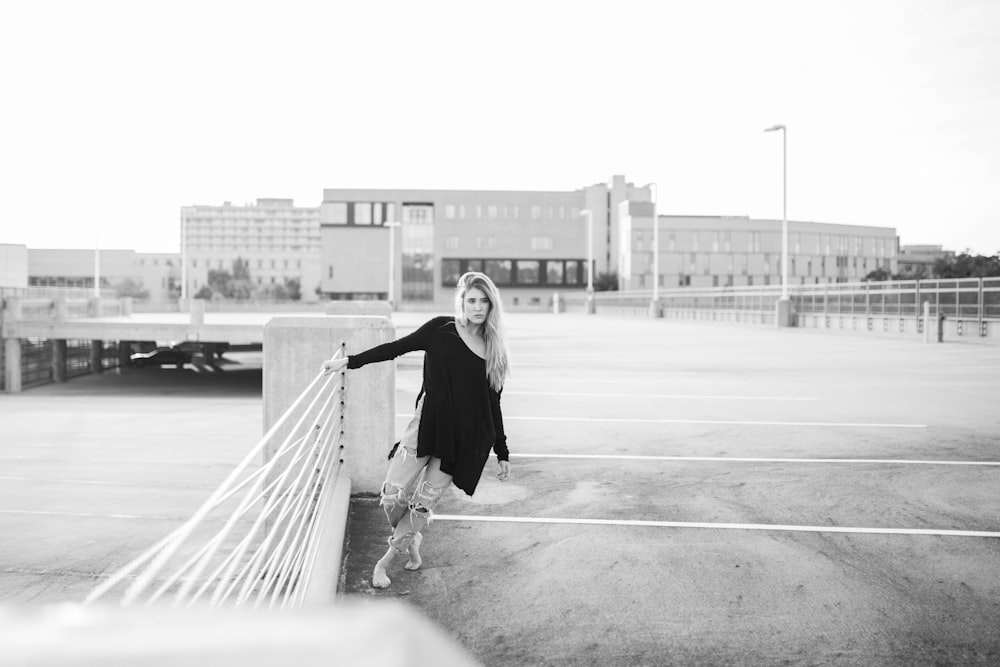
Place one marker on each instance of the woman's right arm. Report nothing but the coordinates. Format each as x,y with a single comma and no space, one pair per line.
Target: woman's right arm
410,343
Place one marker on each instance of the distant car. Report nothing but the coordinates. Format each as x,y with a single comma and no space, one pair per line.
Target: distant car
163,356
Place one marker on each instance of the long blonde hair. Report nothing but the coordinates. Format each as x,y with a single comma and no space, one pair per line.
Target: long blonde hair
497,354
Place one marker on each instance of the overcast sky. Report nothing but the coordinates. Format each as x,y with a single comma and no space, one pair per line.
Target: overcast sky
116,114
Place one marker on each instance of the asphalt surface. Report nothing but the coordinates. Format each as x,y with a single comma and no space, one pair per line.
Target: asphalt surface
716,548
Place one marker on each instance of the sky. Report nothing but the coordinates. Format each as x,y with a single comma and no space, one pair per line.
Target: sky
116,114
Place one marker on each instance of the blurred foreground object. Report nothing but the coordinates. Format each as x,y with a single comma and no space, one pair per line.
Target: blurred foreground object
373,634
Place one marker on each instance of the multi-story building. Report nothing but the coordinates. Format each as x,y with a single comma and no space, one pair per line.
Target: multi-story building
918,261
13,265
531,243
719,251
278,241
150,277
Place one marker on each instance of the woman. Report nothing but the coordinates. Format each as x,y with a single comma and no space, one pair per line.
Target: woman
457,419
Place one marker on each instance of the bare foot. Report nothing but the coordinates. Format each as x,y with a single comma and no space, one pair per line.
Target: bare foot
415,561
379,578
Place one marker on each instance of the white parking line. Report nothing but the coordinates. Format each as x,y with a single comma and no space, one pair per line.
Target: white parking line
90,515
708,397
722,422
736,459
717,526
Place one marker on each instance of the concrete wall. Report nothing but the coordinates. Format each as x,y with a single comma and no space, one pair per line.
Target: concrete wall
295,348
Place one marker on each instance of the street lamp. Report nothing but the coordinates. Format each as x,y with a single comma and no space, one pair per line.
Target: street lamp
656,248
784,207
590,259
783,309
392,261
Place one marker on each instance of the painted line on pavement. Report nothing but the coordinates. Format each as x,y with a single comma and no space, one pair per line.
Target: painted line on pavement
677,396
716,526
89,515
720,422
740,459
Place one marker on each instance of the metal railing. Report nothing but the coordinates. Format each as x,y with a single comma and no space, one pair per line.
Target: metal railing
962,298
263,553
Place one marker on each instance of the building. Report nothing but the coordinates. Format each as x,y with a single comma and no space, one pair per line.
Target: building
531,243
65,267
13,265
159,276
279,242
721,251
918,261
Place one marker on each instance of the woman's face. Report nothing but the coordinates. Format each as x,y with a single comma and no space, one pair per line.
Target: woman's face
475,306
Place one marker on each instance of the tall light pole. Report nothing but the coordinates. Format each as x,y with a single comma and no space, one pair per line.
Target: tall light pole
392,262
656,246
590,259
784,207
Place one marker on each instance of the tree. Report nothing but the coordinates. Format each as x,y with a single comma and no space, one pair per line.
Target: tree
129,287
204,293
294,288
966,265
877,275
606,282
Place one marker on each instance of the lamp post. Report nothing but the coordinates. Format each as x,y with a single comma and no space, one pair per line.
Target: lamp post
590,259
392,262
784,310
654,305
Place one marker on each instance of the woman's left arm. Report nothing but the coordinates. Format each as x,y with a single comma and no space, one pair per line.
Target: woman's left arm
500,443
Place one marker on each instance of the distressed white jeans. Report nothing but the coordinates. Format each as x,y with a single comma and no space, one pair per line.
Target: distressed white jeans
412,488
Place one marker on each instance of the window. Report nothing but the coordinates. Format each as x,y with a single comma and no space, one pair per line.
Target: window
336,213
541,243
451,242
475,265
527,272
491,211
499,270
536,212
362,213
451,271
554,273
491,242
331,275
449,211
573,272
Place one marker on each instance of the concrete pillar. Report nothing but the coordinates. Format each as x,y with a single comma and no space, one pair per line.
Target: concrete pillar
294,349
125,306
58,348
197,312
784,313
124,354
655,308
96,354
94,307
556,304
591,306
12,365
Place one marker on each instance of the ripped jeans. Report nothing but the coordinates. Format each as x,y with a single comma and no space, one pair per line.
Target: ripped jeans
412,487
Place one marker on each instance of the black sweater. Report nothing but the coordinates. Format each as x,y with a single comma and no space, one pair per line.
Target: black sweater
461,418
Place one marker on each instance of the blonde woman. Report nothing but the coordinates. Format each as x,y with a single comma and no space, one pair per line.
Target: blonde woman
457,419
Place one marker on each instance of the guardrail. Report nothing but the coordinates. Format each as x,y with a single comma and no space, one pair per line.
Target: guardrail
266,550
972,302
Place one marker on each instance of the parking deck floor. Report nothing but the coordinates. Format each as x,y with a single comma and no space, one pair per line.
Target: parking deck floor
682,493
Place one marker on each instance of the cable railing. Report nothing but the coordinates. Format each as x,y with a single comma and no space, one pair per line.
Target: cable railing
255,541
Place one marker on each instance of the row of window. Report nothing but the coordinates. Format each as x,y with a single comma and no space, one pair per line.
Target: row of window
509,212
826,244
360,213
225,264
518,272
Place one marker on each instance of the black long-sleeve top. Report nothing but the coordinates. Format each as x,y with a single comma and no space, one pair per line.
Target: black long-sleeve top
461,418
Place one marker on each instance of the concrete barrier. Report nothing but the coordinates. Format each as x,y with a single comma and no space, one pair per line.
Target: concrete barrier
294,350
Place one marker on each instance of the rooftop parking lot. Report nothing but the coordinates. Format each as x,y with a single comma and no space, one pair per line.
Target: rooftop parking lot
681,493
